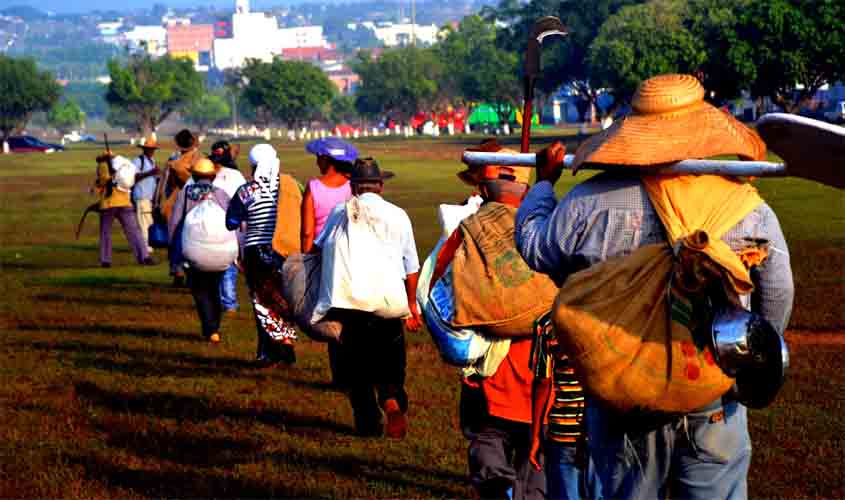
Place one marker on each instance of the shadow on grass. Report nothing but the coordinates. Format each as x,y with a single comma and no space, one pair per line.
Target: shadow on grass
63,298
197,410
116,331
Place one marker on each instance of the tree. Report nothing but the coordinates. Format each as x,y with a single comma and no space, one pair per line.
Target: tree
292,92
399,83
207,111
342,109
66,116
642,41
149,90
780,43
480,72
24,90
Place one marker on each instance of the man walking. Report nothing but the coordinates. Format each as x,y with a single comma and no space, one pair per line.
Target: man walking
704,453
372,348
146,180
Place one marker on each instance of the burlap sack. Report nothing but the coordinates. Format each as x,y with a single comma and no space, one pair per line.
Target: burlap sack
628,333
286,236
176,175
495,290
300,288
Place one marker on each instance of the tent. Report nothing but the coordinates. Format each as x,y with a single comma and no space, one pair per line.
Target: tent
483,114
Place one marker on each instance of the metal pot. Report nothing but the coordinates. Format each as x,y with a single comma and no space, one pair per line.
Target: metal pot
748,348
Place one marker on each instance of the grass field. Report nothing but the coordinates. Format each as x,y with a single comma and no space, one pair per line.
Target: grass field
108,391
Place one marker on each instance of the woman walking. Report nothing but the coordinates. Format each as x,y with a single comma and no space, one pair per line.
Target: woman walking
204,284
254,206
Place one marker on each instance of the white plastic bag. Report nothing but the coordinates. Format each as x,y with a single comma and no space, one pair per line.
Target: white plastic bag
124,173
450,216
360,269
206,243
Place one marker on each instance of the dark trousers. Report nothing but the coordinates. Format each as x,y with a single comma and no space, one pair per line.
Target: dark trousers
371,363
129,223
205,287
498,462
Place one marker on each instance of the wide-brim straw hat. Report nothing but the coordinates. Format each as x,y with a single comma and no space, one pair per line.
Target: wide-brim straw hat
148,143
474,174
204,166
670,122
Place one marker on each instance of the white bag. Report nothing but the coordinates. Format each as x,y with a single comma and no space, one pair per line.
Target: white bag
450,216
124,173
360,271
206,243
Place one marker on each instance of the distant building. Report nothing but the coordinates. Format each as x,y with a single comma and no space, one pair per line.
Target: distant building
311,54
194,42
344,78
400,35
304,36
151,40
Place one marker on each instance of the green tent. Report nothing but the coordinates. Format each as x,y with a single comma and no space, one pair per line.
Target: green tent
483,114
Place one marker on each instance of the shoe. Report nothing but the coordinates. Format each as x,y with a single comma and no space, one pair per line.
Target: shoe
287,354
149,261
230,313
105,265
214,338
178,280
397,422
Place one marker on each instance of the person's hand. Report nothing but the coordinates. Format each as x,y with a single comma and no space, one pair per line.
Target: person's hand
414,322
534,453
550,162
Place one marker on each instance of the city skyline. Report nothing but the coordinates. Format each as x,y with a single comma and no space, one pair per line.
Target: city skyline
78,7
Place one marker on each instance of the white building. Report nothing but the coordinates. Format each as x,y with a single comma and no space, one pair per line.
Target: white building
149,39
393,35
304,36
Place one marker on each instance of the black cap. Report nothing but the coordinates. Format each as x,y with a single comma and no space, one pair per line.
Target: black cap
367,170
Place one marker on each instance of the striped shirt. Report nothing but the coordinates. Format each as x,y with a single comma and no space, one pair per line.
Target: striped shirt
259,213
566,413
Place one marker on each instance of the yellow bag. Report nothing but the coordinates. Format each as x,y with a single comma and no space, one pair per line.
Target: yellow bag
628,331
495,290
286,240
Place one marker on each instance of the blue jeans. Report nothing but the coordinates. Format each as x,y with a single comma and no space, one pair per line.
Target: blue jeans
566,479
229,288
703,454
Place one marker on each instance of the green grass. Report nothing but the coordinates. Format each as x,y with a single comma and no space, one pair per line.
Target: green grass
107,391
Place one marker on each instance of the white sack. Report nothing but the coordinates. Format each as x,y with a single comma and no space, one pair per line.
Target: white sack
206,243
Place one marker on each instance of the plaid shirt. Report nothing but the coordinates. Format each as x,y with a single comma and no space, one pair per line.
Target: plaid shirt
610,215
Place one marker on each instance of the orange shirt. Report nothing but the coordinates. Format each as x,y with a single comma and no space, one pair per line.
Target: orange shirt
508,391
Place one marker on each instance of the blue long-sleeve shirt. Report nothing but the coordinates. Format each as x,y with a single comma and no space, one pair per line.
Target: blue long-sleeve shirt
611,215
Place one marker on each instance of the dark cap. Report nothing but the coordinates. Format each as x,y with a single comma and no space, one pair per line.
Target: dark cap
367,170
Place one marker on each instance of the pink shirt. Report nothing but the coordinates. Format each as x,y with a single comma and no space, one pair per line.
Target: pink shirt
325,199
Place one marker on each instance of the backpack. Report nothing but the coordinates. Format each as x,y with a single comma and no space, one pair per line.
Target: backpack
124,174
206,242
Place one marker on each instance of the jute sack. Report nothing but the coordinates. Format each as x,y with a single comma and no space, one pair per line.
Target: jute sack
495,290
301,288
286,236
178,173
628,326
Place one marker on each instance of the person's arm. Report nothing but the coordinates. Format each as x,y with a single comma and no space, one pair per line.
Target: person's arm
774,289
176,215
236,212
309,222
414,322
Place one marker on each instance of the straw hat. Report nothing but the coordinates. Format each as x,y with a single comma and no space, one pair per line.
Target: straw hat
203,166
148,143
670,122
475,174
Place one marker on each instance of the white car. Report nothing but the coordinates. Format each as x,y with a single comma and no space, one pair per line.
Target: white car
835,114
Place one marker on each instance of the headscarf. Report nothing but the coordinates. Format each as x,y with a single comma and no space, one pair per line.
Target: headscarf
263,156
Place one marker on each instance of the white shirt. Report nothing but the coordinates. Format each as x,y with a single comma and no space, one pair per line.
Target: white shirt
399,232
145,188
227,179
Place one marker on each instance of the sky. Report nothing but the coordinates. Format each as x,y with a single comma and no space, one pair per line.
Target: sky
77,6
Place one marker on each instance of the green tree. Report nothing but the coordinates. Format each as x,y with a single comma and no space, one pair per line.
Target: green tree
24,90
399,83
787,49
291,92
642,41
479,72
342,109
207,111
66,116
149,90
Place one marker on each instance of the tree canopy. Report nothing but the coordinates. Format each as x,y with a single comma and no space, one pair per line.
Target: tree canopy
291,92
149,90
66,116
24,89
207,111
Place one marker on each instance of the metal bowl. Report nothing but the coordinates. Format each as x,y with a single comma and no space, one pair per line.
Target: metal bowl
748,348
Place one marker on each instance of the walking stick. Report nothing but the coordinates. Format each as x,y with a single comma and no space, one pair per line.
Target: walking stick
544,27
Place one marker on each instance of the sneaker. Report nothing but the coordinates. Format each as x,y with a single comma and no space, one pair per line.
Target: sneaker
149,261
105,265
214,338
178,280
230,313
397,422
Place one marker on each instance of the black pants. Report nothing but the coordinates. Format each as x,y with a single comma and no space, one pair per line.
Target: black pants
371,363
205,287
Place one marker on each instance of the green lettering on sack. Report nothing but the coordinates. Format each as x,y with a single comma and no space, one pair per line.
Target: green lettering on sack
512,270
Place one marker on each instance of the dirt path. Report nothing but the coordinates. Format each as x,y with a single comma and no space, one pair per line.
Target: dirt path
799,337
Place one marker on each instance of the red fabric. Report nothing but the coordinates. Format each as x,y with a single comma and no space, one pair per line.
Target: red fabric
508,391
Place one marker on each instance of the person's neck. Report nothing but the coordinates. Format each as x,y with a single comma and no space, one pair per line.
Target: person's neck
511,201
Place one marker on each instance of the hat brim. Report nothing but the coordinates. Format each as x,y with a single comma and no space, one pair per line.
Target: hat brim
701,131
385,174
142,146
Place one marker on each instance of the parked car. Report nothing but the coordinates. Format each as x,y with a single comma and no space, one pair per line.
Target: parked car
30,144
77,137
835,113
